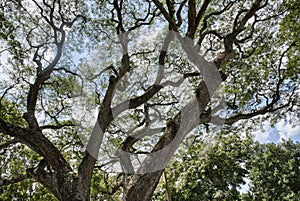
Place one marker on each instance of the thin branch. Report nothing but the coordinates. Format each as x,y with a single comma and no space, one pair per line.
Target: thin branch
5,92
8,144
233,119
178,13
201,12
270,107
13,180
59,126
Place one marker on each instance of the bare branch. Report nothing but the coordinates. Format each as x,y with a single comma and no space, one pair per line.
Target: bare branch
178,13
59,126
166,14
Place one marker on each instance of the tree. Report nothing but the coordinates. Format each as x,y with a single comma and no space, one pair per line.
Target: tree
216,171
275,171
211,170
149,95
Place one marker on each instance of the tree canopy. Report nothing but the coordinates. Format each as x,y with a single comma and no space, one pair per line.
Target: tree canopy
234,168
97,96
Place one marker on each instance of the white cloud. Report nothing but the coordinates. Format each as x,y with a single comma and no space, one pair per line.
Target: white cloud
264,135
286,130
281,130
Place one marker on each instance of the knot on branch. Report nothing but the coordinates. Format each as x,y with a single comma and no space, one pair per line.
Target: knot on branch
223,57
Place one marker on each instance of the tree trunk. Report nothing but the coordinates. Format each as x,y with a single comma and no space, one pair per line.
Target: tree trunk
142,186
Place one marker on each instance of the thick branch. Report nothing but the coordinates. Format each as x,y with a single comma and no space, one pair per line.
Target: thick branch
264,110
37,142
42,77
166,15
191,19
239,25
105,116
47,179
270,107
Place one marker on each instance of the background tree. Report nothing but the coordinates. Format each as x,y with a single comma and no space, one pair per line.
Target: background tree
275,171
210,170
55,52
218,171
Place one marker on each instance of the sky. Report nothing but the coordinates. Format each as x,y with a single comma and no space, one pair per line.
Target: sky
281,130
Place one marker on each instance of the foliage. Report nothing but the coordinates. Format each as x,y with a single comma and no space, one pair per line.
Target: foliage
217,171
120,81
275,171
210,170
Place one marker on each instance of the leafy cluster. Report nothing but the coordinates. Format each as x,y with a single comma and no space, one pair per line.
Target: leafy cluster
234,168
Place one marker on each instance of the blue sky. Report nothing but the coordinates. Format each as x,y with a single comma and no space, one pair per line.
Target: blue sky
281,130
